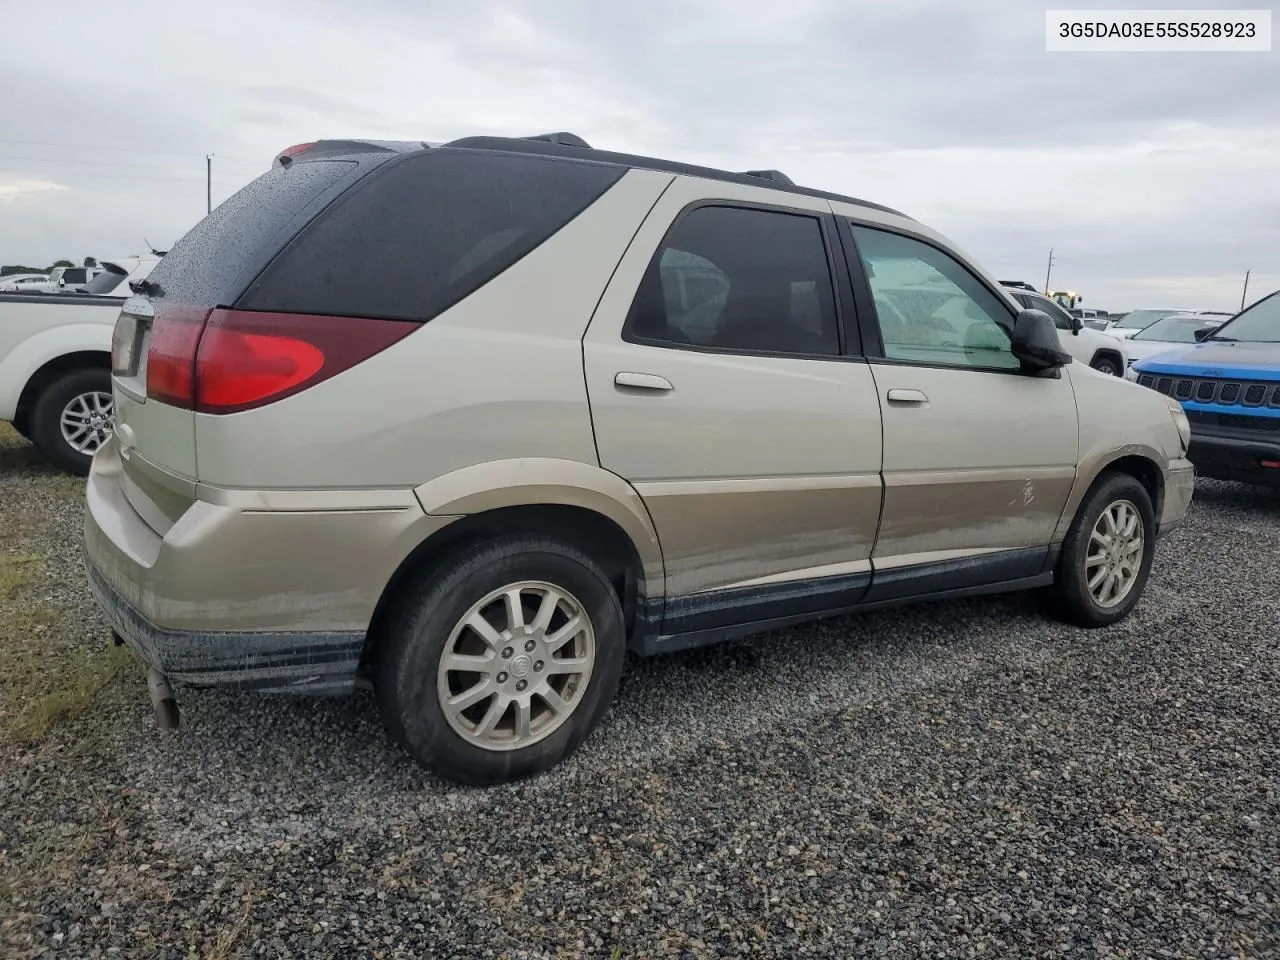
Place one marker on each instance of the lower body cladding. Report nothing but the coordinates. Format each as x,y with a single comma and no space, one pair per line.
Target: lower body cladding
273,596
281,600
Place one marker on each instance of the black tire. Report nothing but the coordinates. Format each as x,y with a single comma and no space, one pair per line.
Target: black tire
407,657
46,417
1108,365
1069,598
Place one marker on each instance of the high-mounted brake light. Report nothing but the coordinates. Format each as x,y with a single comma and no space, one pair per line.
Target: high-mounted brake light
285,156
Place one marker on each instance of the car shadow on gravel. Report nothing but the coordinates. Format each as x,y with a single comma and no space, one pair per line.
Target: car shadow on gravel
18,456
297,753
1225,493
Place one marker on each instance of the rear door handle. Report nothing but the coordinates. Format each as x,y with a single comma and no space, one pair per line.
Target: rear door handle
642,381
907,396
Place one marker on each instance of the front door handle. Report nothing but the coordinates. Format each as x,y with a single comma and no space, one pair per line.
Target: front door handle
642,381
907,396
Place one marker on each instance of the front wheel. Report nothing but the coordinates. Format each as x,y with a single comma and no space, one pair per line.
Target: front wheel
504,663
1107,555
1108,365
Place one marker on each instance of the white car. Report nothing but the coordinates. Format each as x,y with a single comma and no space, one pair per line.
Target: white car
22,282
117,274
1105,354
1170,332
1136,320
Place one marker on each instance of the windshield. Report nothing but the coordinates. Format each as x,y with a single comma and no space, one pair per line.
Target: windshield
1173,330
1258,324
1140,319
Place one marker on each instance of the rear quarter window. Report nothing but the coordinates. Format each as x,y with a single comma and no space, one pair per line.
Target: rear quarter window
208,264
423,232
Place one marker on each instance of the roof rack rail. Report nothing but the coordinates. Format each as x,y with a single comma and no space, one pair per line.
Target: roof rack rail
776,175
562,137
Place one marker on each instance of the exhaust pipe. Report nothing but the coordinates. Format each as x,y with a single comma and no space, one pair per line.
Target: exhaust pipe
162,699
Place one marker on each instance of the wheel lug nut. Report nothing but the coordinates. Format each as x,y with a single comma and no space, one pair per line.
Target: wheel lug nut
520,685
507,653
502,678
529,646
539,665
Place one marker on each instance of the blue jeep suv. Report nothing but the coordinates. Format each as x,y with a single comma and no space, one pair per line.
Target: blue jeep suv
1229,386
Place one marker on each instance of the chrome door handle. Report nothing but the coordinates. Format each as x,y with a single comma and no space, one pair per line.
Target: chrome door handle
907,396
642,381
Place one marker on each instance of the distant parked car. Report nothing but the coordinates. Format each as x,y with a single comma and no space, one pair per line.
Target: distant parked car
117,274
1105,354
72,279
1136,320
1165,334
25,283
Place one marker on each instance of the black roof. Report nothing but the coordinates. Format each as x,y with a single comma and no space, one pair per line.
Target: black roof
571,146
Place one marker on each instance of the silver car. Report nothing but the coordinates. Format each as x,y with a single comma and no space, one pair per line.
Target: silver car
468,422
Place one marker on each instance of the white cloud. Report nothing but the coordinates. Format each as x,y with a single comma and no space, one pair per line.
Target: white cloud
13,188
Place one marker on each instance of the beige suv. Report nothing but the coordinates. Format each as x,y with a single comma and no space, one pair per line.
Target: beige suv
468,421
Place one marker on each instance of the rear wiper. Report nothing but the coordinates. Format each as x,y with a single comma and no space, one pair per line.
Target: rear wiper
145,287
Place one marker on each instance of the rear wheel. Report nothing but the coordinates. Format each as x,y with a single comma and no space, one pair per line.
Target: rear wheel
71,419
504,662
1106,557
1108,365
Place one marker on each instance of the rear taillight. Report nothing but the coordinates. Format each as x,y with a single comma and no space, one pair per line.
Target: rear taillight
171,354
246,360
226,361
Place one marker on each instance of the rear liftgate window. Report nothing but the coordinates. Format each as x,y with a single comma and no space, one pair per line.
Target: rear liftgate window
424,232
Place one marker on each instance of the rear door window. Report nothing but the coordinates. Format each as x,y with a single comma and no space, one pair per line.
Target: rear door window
733,278
426,231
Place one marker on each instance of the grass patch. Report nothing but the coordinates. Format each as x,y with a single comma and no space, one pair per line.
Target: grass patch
48,674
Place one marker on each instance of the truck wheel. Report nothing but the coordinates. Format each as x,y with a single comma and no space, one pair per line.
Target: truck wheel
71,419
504,662
1108,365
1106,557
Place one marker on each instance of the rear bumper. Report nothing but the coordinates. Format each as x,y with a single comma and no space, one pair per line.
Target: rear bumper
313,663
237,594
1235,458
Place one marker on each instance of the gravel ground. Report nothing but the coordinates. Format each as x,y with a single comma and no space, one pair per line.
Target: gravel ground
961,779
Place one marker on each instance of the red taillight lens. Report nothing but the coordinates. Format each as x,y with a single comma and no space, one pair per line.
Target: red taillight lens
246,360
171,355
239,369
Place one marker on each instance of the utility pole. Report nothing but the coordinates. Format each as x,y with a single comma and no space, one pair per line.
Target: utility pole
208,182
1245,291
1048,271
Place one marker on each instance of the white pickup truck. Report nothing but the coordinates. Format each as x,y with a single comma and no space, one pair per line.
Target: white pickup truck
55,376
55,360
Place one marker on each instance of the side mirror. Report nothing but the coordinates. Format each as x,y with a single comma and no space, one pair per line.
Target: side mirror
1203,332
1077,324
1035,342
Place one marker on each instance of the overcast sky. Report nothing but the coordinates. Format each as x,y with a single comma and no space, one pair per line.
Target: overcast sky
1154,176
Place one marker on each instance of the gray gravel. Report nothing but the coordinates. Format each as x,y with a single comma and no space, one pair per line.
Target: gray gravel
962,779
